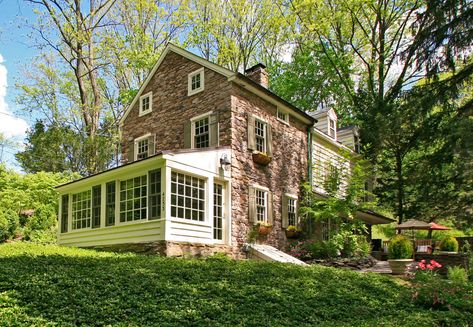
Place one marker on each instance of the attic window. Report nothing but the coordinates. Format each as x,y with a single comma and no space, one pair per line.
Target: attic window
195,82
332,128
146,103
283,116
142,147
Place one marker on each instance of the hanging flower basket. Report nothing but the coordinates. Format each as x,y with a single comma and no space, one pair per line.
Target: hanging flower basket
261,158
293,232
264,229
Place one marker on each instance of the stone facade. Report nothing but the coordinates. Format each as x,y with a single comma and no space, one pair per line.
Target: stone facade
172,107
282,175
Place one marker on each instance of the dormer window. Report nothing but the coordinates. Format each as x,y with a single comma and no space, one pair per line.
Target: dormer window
146,103
195,82
332,128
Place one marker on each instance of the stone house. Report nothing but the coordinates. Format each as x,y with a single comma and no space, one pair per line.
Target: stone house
207,154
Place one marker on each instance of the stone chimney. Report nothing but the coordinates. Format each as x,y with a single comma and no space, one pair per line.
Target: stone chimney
258,74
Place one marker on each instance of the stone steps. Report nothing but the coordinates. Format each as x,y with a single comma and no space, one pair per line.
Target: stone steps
268,253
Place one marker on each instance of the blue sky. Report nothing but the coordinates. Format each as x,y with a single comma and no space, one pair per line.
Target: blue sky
16,51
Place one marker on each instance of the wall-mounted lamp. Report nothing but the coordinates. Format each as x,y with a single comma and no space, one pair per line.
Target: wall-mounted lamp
225,162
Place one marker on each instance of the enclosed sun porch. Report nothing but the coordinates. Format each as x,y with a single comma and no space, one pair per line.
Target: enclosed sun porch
179,196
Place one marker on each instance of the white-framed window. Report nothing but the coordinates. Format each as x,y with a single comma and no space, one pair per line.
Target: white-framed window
133,199
201,132
332,128
283,116
219,209
260,135
195,82
142,147
261,205
291,212
146,103
81,209
187,197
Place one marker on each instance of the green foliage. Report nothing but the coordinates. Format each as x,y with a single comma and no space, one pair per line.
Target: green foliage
29,192
457,275
400,248
47,285
449,244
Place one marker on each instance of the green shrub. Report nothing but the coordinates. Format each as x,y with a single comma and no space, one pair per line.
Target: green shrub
364,247
400,248
457,275
9,224
323,250
449,244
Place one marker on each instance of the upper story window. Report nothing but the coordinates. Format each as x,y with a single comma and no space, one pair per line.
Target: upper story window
283,116
195,82
142,147
201,133
259,136
146,103
332,128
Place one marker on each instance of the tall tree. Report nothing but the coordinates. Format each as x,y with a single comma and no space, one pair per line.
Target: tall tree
393,45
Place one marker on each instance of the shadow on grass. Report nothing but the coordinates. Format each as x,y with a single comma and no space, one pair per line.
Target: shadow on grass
147,290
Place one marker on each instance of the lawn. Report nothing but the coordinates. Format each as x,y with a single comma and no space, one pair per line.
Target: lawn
51,285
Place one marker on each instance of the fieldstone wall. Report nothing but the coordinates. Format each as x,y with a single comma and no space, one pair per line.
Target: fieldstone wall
173,249
446,260
172,107
282,175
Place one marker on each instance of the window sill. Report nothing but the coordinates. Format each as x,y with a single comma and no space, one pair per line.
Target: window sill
190,93
283,121
144,113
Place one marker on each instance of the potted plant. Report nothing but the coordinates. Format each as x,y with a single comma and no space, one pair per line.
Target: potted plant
400,252
261,158
264,228
292,231
448,245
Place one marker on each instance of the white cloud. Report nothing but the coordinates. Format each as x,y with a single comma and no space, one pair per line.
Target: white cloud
10,125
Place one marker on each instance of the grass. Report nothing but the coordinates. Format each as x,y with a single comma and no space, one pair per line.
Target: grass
51,285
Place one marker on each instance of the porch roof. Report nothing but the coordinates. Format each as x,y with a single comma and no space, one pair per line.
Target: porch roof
166,154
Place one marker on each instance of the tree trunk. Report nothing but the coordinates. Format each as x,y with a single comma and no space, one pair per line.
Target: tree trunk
400,188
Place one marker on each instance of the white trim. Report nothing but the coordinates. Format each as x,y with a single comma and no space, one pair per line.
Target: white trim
135,145
147,95
262,188
201,116
330,139
118,191
186,54
199,72
290,195
286,115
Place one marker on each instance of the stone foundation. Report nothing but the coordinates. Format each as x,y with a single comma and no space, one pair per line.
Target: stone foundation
174,249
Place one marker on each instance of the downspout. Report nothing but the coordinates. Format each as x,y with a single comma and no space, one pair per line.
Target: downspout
309,155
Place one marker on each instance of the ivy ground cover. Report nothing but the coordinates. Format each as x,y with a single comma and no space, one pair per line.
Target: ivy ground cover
46,285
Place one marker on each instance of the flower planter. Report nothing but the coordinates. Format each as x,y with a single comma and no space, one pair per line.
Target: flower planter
292,233
264,230
261,158
399,266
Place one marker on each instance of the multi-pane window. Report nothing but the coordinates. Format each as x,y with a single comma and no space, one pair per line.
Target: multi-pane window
332,128
133,199
142,148
145,103
64,212
260,136
218,211
291,212
196,81
187,197
110,191
81,210
261,205
154,194
201,133
96,205
283,116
